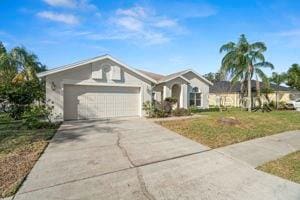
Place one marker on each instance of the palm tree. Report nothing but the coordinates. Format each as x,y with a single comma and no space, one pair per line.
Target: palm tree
244,60
26,62
7,70
277,79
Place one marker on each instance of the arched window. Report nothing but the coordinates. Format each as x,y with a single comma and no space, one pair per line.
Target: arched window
195,97
195,89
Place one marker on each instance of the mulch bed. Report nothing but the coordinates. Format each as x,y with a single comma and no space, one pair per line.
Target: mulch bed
15,166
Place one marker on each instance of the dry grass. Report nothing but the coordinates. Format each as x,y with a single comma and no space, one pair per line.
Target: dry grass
287,167
213,132
19,150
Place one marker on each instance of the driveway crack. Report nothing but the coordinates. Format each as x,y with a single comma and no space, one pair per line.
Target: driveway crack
123,149
143,186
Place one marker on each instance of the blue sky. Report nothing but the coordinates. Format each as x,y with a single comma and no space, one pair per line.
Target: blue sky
160,36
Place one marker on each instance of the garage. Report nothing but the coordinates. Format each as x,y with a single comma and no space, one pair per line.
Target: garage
95,102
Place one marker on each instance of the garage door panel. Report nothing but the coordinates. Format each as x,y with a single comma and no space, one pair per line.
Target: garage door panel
90,102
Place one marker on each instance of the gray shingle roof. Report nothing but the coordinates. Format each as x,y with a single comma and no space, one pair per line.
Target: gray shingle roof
154,76
228,87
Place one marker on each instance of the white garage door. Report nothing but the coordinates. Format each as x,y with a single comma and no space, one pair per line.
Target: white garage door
92,102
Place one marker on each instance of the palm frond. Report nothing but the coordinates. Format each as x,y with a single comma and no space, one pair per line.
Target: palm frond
230,46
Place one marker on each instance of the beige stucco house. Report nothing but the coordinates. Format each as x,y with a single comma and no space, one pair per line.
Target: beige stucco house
104,87
226,94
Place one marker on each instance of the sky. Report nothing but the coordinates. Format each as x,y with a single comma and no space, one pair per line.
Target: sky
158,36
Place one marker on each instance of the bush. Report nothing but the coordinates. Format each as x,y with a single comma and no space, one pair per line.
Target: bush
272,104
34,117
194,109
181,112
154,109
15,98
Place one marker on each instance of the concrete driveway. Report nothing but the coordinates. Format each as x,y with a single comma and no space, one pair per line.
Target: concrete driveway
137,159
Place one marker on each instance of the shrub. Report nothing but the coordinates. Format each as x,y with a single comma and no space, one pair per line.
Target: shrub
17,97
34,117
181,112
272,104
194,109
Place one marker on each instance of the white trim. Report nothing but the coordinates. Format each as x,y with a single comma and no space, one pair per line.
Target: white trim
88,61
204,79
74,82
185,72
179,76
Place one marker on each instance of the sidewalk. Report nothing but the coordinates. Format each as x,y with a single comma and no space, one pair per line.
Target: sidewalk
259,151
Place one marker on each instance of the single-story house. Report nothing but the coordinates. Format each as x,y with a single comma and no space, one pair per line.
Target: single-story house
104,87
228,94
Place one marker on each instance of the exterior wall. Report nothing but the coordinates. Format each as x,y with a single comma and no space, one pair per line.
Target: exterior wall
167,90
226,99
83,76
284,96
195,81
233,99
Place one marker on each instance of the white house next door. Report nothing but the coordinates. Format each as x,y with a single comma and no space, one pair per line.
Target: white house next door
94,102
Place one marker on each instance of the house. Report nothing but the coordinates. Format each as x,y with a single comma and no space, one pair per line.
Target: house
228,94
104,87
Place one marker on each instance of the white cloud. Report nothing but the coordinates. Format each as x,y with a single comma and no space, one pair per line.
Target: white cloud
61,3
143,24
83,5
290,33
191,10
58,17
129,23
136,11
165,23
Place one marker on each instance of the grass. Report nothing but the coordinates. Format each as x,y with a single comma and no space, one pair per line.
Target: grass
219,129
287,167
19,150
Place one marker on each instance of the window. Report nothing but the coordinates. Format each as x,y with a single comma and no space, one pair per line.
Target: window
195,97
153,95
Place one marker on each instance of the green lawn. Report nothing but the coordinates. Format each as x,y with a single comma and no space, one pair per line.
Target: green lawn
219,129
19,150
287,167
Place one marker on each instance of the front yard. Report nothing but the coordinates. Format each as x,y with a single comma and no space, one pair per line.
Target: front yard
287,167
218,129
19,150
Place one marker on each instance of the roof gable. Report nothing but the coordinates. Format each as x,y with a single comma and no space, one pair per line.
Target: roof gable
88,61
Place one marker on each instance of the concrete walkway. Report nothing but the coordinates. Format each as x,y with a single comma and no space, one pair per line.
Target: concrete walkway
137,159
259,151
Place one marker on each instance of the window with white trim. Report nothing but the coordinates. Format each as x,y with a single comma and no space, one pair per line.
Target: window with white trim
195,97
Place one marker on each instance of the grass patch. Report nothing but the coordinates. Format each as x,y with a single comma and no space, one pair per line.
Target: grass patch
20,148
224,128
287,167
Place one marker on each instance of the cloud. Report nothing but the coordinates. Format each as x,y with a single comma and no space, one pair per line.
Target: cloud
61,3
58,17
143,24
129,23
165,23
191,10
290,33
83,5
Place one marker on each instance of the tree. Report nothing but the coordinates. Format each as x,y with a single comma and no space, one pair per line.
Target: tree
293,76
242,61
213,77
27,64
19,85
277,79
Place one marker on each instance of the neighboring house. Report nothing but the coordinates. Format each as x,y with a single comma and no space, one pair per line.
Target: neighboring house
227,94
104,87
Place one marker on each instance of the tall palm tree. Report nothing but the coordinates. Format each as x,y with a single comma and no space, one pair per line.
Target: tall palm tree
7,69
277,79
19,64
242,61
